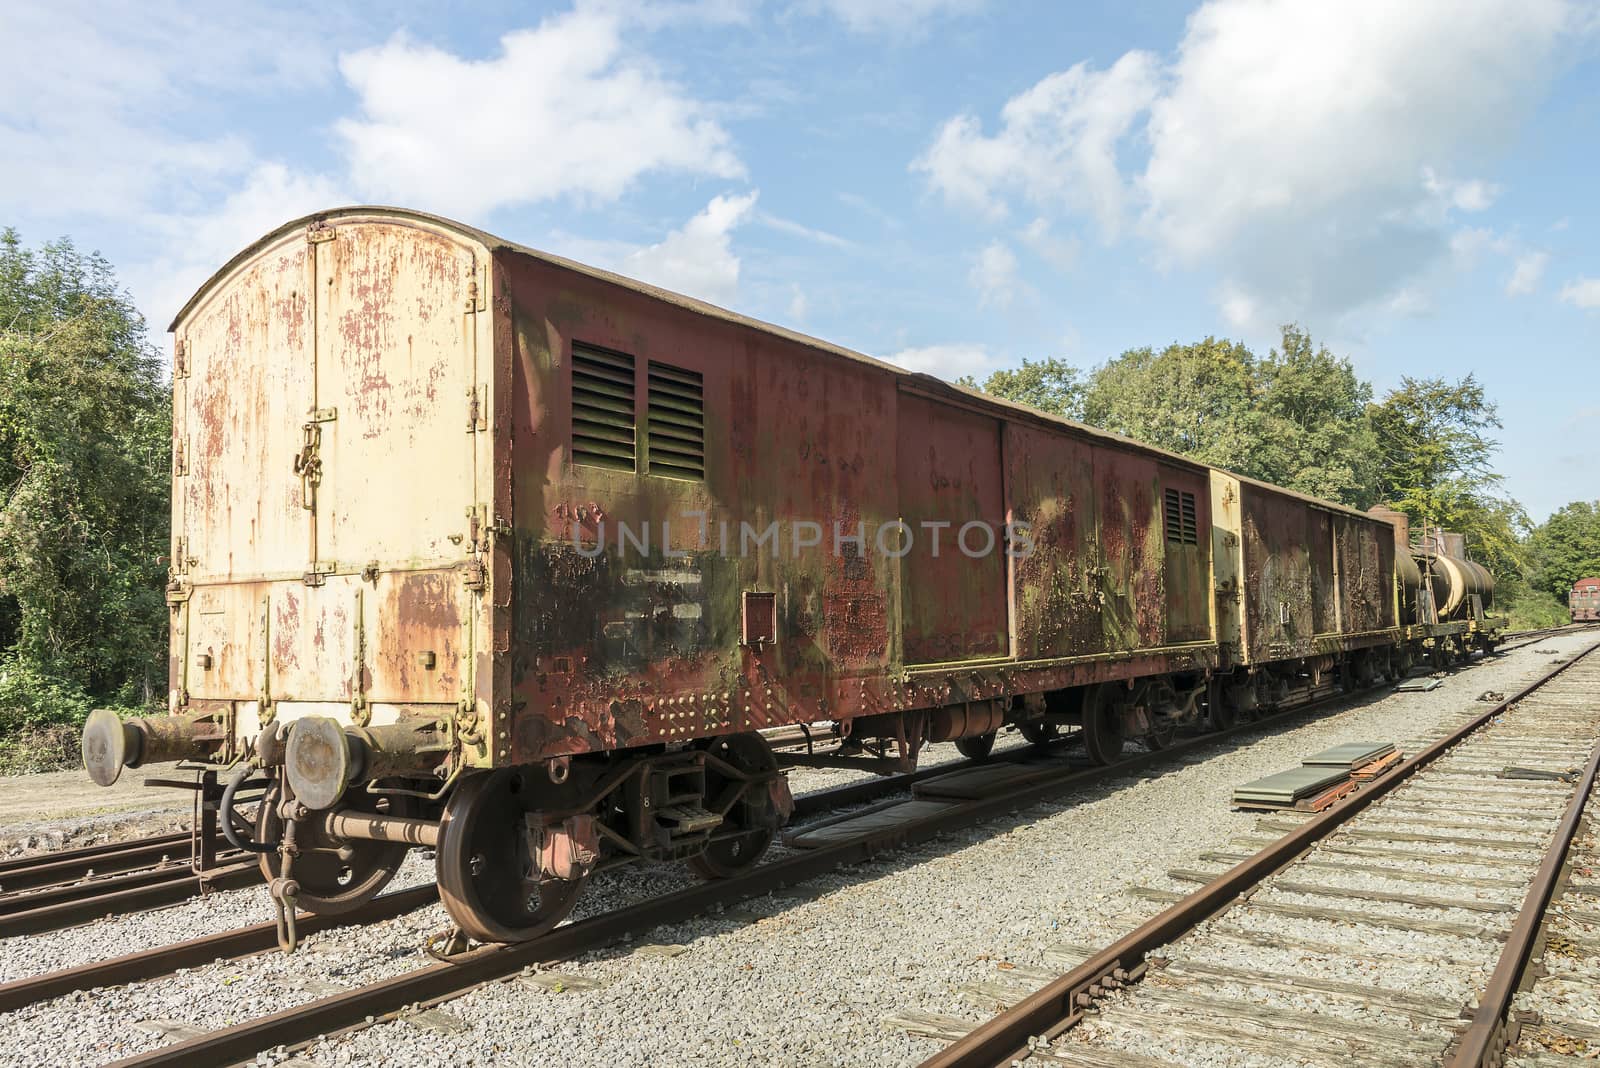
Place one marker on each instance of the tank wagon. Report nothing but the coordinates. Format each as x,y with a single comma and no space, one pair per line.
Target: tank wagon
481,549
1583,601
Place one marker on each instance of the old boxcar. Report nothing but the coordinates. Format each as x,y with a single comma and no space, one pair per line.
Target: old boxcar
480,548
1583,601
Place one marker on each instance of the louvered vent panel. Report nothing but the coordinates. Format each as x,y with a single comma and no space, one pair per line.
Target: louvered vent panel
675,422
1182,522
602,409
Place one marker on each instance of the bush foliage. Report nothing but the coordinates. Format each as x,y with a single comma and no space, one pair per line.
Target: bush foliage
85,421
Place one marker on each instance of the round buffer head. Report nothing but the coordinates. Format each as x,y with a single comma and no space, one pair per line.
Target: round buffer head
105,746
317,761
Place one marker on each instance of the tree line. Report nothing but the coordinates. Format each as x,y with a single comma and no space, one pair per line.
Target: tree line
85,430
1300,417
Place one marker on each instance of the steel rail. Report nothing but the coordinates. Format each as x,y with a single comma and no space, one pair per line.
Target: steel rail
1483,1043
1061,1003
178,885
432,984
96,886
70,865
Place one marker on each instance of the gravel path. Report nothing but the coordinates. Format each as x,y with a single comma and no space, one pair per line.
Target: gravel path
798,979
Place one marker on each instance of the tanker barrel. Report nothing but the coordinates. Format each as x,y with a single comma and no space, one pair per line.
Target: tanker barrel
111,743
1457,579
324,757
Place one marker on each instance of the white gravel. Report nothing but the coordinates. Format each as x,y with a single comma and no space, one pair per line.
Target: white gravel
799,980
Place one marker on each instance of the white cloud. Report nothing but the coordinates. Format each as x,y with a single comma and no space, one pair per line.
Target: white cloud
1526,273
1062,252
698,258
93,98
1582,293
798,304
565,109
994,276
948,361
1295,150
1056,147
876,16
1469,195
789,226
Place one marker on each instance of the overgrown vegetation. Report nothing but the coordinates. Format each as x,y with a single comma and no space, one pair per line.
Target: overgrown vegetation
84,441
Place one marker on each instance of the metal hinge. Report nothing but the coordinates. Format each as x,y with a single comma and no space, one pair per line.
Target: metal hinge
318,232
180,459
323,415
477,400
178,592
180,358
319,573
473,575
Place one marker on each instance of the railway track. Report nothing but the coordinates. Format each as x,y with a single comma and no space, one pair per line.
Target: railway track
1393,928
947,798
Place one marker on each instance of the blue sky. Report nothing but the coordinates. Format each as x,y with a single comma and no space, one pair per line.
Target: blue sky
953,185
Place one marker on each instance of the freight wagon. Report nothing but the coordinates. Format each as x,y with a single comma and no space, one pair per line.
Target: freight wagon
480,548
1583,601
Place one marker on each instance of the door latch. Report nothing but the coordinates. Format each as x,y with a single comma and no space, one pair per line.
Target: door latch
308,464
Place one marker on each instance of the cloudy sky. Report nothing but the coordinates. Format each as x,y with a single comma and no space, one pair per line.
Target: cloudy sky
952,185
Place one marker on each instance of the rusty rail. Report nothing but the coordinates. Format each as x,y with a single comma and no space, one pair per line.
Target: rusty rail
1483,1043
1061,1003
51,910
71,865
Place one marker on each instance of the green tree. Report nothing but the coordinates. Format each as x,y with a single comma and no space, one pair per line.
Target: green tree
85,430
1315,434
1051,385
1198,400
1566,547
1436,449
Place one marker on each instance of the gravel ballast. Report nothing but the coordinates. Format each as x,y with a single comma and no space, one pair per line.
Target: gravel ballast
799,979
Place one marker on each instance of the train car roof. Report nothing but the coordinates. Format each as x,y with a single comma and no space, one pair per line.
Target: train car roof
913,379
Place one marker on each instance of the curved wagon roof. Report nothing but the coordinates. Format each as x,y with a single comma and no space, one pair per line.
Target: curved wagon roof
925,382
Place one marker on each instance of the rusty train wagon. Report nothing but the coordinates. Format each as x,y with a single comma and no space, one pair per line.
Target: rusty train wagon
478,548
1583,601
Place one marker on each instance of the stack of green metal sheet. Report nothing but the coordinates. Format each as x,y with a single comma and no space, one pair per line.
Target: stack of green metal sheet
1315,774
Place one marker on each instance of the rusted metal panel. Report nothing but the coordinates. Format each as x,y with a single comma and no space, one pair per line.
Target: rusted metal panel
1277,575
1365,554
1050,479
1186,546
1132,580
1228,618
325,506
1324,590
625,637
396,355
951,498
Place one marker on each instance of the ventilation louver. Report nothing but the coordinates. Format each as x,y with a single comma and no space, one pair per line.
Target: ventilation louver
602,409
1182,524
675,423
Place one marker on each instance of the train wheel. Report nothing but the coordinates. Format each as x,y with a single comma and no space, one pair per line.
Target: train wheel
489,878
335,877
1040,732
1102,724
752,820
977,746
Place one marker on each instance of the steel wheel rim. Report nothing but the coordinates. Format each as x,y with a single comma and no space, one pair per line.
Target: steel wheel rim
484,864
